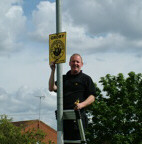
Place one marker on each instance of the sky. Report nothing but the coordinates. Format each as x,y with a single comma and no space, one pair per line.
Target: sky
107,33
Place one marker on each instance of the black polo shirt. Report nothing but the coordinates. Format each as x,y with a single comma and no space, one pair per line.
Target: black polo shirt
76,87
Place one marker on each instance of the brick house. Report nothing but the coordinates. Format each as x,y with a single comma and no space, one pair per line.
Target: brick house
36,124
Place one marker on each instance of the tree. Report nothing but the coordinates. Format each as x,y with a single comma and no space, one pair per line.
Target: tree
116,118
10,134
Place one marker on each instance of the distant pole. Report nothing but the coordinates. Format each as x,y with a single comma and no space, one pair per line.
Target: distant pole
40,105
60,81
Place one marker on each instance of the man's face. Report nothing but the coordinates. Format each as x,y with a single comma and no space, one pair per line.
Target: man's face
75,64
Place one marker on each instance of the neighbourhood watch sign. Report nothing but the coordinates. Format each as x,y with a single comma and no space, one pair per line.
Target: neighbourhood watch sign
57,48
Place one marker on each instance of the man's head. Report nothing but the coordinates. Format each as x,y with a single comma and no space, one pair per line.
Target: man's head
75,63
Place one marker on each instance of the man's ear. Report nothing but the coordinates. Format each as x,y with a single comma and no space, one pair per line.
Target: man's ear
69,63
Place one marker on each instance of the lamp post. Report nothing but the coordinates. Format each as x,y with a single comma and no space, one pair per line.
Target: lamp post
60,81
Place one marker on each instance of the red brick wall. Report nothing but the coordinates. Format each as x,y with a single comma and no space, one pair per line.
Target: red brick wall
51,134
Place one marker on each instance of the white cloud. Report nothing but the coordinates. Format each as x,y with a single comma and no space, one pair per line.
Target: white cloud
12,26
103,26
44,21
105,16
106,33
99,65
93,26
24,68
23,104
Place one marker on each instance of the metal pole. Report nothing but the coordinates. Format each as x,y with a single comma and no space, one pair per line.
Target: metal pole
40,104
39,107
60,81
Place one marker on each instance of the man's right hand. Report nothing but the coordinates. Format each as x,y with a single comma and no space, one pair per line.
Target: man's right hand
52,66
52,86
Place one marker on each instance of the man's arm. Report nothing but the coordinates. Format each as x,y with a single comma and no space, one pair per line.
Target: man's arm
85,103
52,86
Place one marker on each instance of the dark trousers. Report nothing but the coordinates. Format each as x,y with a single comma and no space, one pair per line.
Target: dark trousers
71,130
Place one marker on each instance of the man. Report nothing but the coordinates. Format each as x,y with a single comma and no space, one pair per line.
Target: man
76,86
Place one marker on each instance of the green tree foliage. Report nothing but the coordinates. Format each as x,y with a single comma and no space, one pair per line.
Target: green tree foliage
10,134
116,116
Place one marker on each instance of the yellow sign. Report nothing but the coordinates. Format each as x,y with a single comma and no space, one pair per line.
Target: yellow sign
57,48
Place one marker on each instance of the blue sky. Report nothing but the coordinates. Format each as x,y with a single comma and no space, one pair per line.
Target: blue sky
106,33
30,5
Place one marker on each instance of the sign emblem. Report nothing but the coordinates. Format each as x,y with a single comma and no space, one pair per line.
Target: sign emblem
57,48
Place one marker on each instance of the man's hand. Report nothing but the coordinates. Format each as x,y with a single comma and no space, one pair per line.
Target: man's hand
85,103
52,86
78,105
52,66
